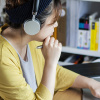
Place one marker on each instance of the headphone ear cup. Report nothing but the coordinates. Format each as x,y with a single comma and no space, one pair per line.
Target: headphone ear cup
38,21
32,27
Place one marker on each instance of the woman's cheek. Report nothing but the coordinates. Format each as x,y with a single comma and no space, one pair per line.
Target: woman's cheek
46,31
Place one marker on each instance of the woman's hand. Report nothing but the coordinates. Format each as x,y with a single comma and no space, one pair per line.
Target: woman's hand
85,82
95,88
51,50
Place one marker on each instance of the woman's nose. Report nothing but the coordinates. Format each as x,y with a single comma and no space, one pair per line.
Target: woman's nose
55,24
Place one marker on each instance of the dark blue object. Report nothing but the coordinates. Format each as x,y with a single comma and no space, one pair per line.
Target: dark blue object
23,12
88,69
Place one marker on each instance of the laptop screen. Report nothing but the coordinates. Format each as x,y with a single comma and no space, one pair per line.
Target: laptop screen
89,69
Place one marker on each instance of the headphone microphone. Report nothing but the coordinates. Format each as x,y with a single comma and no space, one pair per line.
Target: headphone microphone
32,26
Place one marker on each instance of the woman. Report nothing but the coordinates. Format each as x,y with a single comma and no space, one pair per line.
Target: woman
30,74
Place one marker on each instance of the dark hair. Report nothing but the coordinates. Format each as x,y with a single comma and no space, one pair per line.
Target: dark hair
10,4
54,7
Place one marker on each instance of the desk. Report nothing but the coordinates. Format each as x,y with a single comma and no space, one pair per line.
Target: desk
70,94
89,70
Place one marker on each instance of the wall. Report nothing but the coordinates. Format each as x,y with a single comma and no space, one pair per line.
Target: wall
63,1
2,4
89,7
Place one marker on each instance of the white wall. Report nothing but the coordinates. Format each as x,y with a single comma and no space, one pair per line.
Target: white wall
63,1
2,4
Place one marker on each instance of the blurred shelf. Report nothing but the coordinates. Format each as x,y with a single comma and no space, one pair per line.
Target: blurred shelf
91,0
64,63
80,51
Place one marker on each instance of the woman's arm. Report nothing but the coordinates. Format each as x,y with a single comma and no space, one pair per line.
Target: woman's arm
49,76
82,82
51,52
85,82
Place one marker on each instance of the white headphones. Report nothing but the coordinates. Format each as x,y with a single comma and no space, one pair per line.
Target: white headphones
32,26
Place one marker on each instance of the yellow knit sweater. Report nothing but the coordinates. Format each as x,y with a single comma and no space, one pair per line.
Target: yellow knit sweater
12,83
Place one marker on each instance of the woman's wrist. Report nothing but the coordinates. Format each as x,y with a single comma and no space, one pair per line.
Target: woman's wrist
90,83
51,63
83,82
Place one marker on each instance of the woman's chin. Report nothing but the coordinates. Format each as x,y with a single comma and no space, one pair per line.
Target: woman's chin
42,39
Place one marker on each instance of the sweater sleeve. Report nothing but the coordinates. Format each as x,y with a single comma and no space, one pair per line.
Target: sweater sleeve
12,83
64,78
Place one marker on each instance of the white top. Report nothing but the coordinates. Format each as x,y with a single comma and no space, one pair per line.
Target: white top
27,68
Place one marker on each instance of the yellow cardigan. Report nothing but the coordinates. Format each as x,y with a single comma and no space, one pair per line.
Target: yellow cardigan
12,83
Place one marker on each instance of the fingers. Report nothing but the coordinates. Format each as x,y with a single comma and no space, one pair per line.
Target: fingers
52,40
60,45
56,43
47,40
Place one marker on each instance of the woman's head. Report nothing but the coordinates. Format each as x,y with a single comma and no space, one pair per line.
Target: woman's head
48,18
14,7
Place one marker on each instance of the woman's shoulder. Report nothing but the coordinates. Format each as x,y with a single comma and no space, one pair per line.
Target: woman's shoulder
7,52
2,28
2,40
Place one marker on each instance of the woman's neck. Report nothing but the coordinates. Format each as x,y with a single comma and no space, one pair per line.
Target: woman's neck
18,36
18,39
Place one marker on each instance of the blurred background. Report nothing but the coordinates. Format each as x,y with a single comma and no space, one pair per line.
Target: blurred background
75,40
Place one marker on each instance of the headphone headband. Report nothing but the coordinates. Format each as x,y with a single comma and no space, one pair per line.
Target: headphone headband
35,6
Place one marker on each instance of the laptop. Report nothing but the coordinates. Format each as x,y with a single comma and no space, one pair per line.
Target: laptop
91,70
